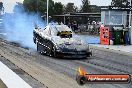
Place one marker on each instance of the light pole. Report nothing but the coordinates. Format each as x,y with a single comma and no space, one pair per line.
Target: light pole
47,12
130,13
130,29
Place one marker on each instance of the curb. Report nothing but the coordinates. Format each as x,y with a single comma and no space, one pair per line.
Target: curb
111,50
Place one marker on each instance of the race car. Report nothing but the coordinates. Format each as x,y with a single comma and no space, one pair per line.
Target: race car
60,41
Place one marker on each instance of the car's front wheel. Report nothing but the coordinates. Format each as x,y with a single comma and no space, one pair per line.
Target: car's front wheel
81,80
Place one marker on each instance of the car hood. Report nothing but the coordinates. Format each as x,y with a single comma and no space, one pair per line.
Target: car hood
70,43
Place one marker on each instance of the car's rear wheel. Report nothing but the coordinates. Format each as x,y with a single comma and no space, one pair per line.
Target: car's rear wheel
49,50
40,48
54,52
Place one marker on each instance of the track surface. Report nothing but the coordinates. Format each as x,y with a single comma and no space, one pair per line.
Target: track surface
102,62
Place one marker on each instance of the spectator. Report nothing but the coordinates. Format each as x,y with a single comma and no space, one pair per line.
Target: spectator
69,25
75,27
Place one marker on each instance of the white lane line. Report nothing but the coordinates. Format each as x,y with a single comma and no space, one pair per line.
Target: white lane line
11,79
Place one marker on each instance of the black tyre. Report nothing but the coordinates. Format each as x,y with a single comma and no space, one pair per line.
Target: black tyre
81,80
54,52
49,50
40,48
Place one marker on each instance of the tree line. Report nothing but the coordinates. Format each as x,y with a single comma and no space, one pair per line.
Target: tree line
56,8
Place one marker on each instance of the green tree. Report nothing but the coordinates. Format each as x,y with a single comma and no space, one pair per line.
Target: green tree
39,6
95,9
119,2
1,6
70,8
30,5
58,8
18,8
85,8
51,7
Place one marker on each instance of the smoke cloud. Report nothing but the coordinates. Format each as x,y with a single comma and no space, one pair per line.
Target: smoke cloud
19,27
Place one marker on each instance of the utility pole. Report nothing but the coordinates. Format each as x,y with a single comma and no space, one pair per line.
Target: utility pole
130,29
47,12
130,13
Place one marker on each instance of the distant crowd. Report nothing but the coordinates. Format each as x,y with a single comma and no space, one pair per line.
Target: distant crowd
73,25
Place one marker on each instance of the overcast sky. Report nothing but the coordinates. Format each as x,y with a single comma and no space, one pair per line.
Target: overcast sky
8,4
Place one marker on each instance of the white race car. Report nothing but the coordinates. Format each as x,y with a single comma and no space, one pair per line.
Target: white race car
60,41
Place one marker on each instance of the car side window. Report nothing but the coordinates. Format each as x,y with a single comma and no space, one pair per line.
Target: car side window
53,31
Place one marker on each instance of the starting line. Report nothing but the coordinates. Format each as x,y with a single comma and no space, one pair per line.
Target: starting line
11,79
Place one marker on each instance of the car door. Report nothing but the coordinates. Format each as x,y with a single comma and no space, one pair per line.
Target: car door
47,39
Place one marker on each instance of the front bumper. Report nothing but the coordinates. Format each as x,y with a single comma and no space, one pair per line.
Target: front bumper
75,54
